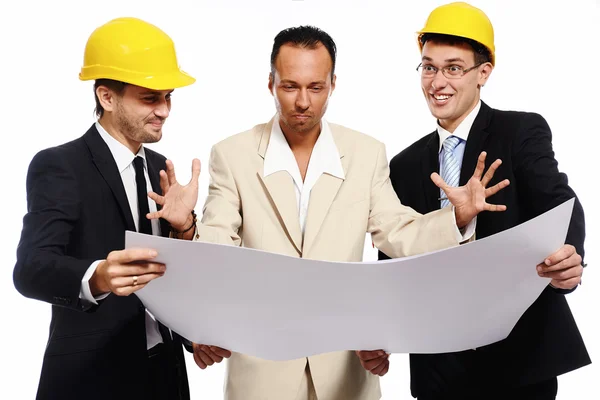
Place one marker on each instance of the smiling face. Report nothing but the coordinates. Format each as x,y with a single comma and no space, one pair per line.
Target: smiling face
135,116
301,85
451,100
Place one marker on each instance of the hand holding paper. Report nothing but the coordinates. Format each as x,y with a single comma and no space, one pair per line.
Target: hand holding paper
563,267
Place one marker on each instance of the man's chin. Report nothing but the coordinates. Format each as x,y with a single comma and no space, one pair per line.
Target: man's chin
304,126
152,136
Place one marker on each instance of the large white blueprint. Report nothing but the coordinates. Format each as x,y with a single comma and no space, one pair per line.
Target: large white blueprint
278,307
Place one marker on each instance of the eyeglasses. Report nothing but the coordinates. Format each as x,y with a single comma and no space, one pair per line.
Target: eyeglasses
450,72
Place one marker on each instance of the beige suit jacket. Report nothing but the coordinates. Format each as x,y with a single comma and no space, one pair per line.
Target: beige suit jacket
244,208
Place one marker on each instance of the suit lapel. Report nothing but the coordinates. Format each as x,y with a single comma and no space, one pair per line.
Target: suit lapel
430,163
323,193
105,163
154,168
282,193
475,143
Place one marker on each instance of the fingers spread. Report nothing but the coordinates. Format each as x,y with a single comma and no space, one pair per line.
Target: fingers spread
438,181
195,170
494,207
490,172
164,182
158,199
480,165
171,173
496,188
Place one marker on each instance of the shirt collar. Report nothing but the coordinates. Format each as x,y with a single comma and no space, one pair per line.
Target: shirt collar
462,130
325,155
122,155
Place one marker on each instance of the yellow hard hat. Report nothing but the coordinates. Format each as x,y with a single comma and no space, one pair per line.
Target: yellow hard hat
461,19
133,51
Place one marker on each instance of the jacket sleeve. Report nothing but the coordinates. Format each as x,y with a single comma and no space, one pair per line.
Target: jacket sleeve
541,185
400,231
221,216
43,271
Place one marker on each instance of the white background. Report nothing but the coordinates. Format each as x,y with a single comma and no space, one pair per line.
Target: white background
546,62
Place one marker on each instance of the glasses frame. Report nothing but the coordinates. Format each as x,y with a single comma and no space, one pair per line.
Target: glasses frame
445,69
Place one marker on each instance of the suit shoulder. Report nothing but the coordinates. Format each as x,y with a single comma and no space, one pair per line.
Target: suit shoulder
411,153
512,119
61,153
360,139
245,139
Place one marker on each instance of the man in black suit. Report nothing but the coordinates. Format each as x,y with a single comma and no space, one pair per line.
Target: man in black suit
457,51
82,196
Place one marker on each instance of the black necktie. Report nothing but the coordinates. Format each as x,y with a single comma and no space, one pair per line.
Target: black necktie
144,225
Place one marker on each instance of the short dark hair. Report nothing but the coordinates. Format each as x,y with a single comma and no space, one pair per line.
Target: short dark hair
116,86
482,53
304,36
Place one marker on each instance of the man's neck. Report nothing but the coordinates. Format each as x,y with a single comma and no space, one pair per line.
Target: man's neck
451,125
302,145
113,131
301,142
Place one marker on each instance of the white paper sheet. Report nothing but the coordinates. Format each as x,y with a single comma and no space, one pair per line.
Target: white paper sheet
279,308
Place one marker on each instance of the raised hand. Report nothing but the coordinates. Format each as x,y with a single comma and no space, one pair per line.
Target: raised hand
470,199
177,201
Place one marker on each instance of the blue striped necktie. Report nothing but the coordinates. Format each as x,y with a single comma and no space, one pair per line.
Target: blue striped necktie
450,166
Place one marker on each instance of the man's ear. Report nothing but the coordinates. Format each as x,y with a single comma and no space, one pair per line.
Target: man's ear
106,97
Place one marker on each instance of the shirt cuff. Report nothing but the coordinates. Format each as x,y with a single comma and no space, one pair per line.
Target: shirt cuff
464,234
85,293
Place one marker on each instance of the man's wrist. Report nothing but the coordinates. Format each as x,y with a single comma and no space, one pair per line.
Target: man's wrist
187,230
460,223
97,285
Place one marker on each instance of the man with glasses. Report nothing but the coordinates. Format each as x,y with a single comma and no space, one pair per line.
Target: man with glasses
457,49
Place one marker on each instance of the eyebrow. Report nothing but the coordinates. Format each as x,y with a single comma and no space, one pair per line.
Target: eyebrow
321,82
455,59
448,60
153,93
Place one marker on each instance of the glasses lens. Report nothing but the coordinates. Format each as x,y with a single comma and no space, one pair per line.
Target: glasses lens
428,71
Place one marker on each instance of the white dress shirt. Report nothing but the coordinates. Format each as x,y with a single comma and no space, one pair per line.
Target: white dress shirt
461,132
124,160
324,159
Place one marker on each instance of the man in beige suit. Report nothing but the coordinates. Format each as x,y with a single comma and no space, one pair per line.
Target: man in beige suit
303,187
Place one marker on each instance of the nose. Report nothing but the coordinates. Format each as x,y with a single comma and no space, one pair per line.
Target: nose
162,109
302,99
439,81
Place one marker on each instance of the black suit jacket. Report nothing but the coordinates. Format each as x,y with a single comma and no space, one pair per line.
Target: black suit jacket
78,213
546,341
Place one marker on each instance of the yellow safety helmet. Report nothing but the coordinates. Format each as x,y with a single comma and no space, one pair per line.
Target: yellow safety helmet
133,51
464,20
